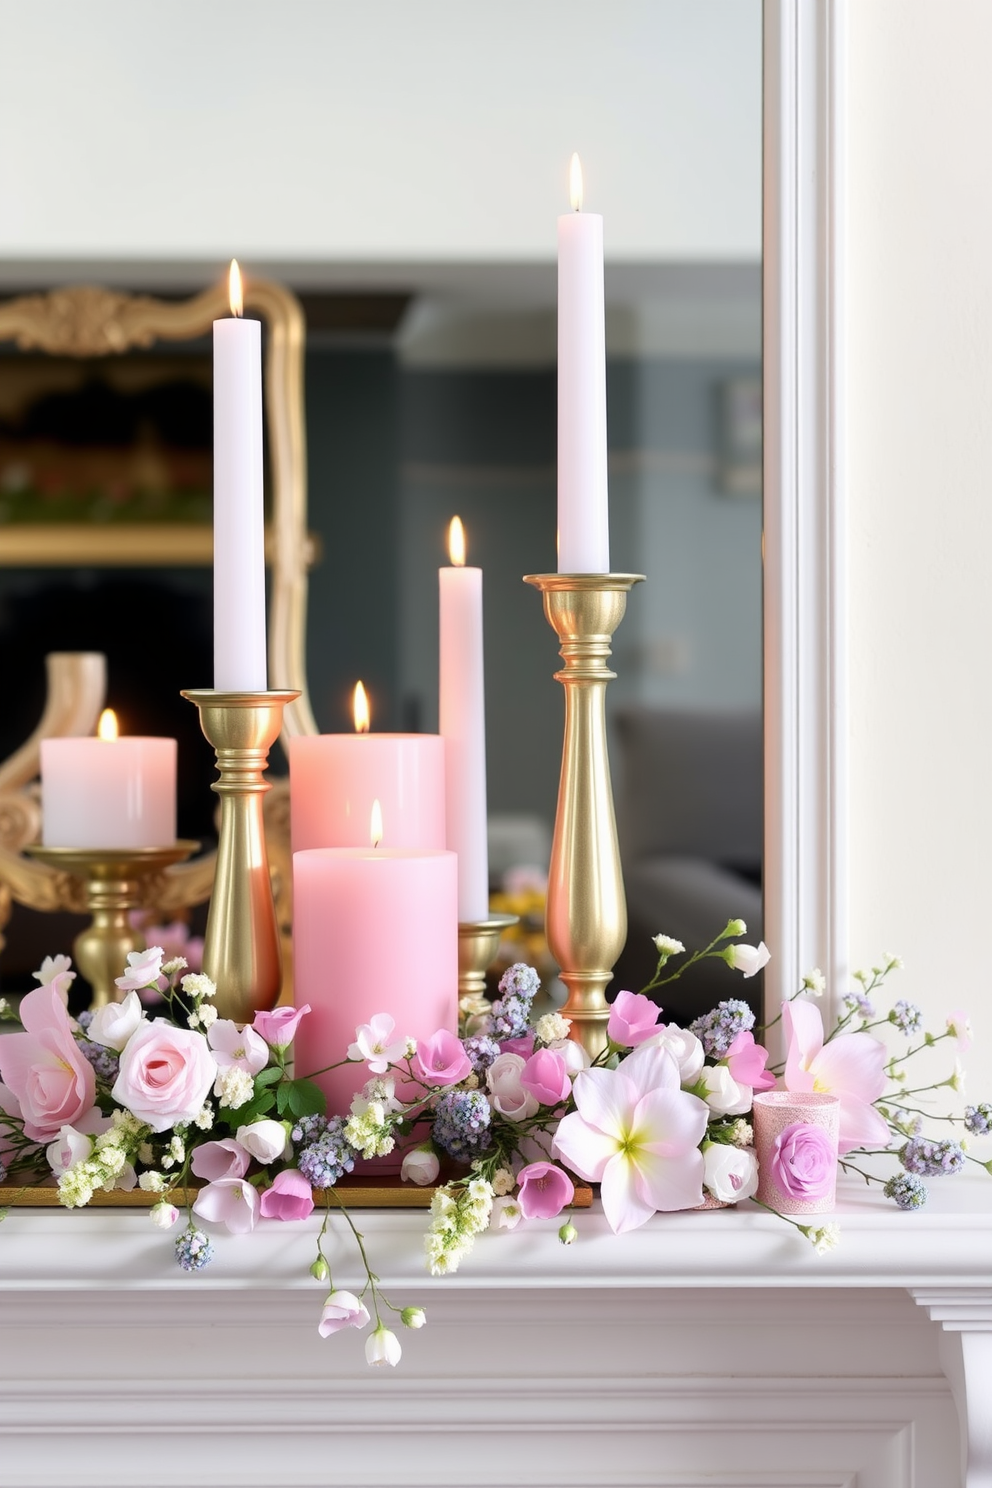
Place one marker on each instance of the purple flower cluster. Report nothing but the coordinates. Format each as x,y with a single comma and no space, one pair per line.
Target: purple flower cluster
931,1159
326,1156
907,1017
907,1190
511,1012
461,1123
481,1050
717,1029
858,1002
194,1250
105,1062
978,1119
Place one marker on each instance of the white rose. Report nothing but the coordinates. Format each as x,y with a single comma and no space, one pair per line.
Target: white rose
684,1047
265,1140
113,1024
164,1215
69,1147
721,1091
575,1057
507,1095
729,1173
420,1166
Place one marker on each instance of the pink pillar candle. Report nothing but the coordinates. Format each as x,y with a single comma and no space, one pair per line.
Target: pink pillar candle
374,931
334,778
116,793
462,716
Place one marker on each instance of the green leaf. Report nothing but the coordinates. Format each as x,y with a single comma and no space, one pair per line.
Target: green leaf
268,1076
302,1098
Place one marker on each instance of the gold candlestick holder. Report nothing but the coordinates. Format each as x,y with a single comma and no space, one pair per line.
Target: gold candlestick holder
116,880
241,947
478,942
586,922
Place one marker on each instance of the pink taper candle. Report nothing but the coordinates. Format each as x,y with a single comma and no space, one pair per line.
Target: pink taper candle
583,514
239,523
463,725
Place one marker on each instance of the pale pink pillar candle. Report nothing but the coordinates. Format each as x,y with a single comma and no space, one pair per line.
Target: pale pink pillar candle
239,520
796,1174
108,792
583,512
334,778
463,726
375,930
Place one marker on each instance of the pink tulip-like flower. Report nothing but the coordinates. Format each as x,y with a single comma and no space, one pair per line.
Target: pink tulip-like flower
290,1196
342,1310
217,1160
165,1074
230,1201
441,1059
382,1347
544,1190
633,1018
237,1046
746,1061
278,1028
803,1162
636,1132
545,1075
851,1066
143,970
44,1068
372,1043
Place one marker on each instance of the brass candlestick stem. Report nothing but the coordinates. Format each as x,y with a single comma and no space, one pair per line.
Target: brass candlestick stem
241,947
586,920
478,942
116,880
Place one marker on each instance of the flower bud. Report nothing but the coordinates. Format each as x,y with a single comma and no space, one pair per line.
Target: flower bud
568,1233
413,1317
320,1270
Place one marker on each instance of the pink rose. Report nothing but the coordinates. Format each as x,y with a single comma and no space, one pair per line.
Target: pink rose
545,1075
278,1028
44,1068
506,1092
441,1060
746,1061
803,1161
633,1018
165,1074
544,1190
290,1196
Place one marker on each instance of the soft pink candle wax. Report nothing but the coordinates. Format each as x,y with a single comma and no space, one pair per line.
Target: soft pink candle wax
463,725
375,930
334,779
108,792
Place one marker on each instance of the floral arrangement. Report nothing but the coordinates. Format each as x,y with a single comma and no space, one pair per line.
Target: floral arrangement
199,1111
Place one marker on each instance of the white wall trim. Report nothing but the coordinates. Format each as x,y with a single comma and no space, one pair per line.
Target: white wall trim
804,546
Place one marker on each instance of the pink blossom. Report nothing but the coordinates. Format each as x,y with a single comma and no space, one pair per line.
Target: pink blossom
43,1067
522,1046
230,1201
633,1018
545,1076
851,1066
73,1143
237,1046
746,1061
223,1159
803,1161
342,1310
278,1028
290,1196
143,970
165,1074
544,1190
372,1043
959,1027
441,1059
637,1133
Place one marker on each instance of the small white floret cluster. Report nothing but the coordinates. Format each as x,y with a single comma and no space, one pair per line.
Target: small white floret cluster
457,1216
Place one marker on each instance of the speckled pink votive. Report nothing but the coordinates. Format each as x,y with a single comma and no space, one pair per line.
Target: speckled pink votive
795,1141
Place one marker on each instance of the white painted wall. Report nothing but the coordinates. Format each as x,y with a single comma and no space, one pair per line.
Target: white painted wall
920,432
318,132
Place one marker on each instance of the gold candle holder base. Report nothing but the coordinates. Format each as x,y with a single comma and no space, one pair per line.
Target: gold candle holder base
586,921
478,942
116,881
241,947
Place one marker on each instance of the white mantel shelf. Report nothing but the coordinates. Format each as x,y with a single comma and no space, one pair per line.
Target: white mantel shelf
707,1347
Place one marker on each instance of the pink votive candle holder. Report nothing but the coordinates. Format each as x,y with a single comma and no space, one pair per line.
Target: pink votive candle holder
795,1140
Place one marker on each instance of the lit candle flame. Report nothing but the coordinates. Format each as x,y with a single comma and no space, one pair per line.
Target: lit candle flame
360,709
235,291
575,183
375,823
107,727
456,542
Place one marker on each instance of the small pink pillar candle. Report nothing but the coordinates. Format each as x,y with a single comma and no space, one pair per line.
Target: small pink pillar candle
108,792
334,779
583,513
463,725
374,931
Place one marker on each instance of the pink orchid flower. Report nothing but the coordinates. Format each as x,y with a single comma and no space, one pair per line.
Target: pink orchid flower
278,1028
232,1045
372,1043
633,1018
441,1060
290,1197
230,1201
43,1067
851,1066
746,1061
545,1076
636,1132
544,1190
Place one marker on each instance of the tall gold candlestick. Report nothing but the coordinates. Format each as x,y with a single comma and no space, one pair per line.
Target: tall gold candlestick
587,913
241,947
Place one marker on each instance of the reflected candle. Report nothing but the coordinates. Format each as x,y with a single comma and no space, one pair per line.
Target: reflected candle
463,725
108,792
